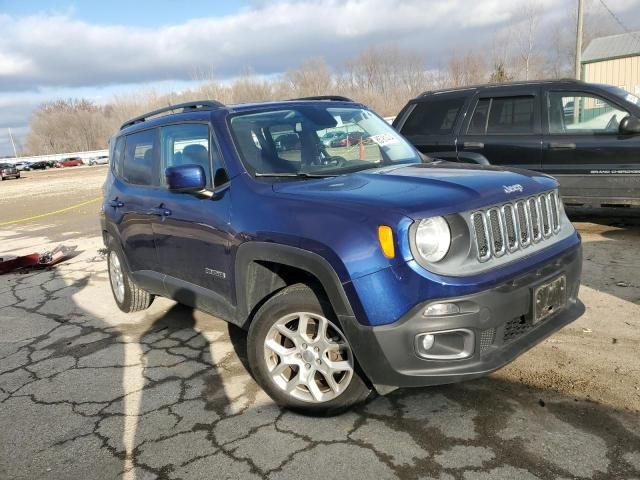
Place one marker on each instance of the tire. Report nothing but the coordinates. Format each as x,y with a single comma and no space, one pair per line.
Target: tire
310,372
127,295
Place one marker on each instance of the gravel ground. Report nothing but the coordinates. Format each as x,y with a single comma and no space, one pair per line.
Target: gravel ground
89,392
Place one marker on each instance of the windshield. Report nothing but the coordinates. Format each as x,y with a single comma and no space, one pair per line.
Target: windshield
312,140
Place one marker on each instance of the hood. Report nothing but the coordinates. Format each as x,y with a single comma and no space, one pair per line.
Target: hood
419,190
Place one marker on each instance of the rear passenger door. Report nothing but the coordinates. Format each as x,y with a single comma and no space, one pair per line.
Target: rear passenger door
431,122
505,128
132,196
192,234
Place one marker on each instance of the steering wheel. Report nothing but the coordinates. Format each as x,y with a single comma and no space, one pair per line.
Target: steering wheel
612,124
336,160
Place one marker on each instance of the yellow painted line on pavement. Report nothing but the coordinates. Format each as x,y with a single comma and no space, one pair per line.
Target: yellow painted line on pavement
55,212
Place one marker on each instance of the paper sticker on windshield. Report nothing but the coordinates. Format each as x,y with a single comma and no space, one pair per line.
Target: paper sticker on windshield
384,139
633,99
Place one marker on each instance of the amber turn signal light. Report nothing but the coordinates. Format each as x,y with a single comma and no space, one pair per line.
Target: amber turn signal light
385,237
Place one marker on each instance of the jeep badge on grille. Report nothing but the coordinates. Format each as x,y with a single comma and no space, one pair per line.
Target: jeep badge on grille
513,188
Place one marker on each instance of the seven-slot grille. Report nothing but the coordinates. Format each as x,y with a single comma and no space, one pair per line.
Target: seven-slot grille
516,225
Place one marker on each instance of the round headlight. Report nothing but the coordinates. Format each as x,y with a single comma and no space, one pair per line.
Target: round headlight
433,239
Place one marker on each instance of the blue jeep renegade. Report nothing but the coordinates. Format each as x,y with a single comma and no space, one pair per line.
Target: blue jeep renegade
353,262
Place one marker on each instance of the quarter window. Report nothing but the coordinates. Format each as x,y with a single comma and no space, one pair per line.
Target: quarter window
139,158
187,144
118,154
580,113
433,117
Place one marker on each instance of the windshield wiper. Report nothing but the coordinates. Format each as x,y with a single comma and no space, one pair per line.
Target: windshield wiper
292,175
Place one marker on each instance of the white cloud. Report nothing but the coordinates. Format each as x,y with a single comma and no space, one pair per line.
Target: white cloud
60,50
44,54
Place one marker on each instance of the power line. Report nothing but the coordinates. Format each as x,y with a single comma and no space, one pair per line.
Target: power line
619,22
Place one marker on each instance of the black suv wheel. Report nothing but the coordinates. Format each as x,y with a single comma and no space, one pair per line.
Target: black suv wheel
300,357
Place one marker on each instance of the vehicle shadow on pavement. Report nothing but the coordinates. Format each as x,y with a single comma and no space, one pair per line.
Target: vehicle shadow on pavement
89,392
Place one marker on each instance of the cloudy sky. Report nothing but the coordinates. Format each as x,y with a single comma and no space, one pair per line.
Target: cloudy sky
58,49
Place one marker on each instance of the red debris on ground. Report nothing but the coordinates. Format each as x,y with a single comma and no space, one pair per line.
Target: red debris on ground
36,260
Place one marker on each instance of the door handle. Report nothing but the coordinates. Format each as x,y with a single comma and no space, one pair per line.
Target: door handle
160,211
562,146
473,145
115,203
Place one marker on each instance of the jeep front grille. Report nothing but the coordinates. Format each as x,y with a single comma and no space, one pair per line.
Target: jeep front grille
516,225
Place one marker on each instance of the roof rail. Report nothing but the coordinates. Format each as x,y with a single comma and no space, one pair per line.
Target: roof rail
335,98
188,106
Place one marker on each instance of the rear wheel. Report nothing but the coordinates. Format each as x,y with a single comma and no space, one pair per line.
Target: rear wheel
128,296
300,356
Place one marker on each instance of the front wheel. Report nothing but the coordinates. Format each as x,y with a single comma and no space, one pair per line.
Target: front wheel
128,296
300,356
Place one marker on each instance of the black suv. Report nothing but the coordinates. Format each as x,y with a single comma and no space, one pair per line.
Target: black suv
585,135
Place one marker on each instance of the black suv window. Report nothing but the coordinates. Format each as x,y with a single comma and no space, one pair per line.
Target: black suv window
139,158
435,116
503,115
185,144
582,113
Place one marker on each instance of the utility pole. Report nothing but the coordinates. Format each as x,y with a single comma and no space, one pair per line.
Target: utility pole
579,41
15,153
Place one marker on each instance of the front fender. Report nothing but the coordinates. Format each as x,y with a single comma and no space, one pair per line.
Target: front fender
311,263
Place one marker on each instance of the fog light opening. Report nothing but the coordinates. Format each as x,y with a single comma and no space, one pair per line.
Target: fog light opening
428,341
440,309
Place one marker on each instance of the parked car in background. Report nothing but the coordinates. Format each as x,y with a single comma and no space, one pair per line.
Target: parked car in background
39,165
100,160
349,274
348,139
328,137
22,166
8,170
585,135
71,162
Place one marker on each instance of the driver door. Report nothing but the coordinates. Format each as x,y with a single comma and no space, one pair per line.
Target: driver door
583,147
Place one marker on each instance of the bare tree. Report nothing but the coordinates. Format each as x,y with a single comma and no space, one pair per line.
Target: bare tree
526,36
466,69
313,77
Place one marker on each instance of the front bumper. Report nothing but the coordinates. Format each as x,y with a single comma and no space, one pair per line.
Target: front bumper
500,319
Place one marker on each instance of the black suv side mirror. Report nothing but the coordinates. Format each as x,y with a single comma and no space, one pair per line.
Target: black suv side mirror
629,125
186,178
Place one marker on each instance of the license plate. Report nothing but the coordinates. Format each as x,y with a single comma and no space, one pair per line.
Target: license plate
549,298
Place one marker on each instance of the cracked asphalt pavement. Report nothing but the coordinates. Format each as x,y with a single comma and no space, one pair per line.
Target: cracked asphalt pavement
87,391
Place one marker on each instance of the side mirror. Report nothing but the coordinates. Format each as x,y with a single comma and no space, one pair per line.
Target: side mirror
629,125
186,178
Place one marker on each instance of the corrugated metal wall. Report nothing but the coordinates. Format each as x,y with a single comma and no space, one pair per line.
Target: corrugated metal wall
621,72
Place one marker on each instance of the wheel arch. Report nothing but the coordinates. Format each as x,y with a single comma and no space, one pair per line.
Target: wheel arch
262,269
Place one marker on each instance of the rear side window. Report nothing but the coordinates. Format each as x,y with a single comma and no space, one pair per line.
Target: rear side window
118,157
436,116
139,158
503,115
478,125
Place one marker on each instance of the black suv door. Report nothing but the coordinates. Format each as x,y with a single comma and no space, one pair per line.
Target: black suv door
594,163
505,127
430,122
